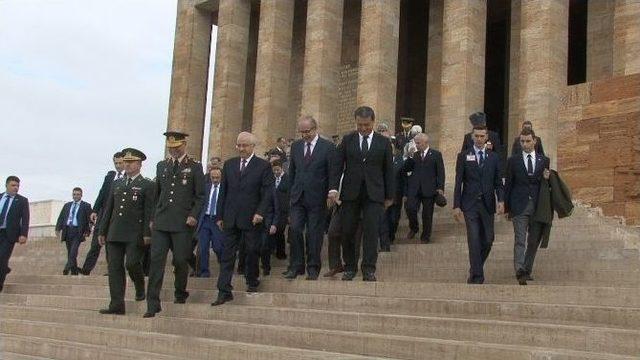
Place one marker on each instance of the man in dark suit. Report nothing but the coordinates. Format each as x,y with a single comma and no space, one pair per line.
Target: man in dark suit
94,252
282,186
245,193
210,236
368,187
279,150
480,119
525,172
14,223
403,137
478,183
309,175
393,212
125,229
426,179
72,227
180,195
516,148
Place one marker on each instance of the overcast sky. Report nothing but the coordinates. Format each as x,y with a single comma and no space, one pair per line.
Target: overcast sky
79,80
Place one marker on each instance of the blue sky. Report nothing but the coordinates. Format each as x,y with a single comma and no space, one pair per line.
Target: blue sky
79,80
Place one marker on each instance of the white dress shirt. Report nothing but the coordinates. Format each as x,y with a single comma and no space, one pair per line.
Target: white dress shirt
246,161
313,145
369,139
526,159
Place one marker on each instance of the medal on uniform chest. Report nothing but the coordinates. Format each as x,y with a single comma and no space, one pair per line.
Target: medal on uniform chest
135,197
184,181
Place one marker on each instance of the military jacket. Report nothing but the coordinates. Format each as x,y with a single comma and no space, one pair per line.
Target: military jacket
180,192
128,210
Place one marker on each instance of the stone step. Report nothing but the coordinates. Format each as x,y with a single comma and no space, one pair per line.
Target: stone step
620,317
44,348
14,356
156,344
355,339
96,286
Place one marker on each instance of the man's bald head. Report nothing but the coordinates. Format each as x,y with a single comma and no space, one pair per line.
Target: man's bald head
246,143
422,141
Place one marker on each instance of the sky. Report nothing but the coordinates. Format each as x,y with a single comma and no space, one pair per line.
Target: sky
80,80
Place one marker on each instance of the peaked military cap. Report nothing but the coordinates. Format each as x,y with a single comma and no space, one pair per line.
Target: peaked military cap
406,120
478,118
175,138
131,154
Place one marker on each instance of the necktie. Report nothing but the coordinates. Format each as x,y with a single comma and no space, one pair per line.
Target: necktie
129,181
481,157
365,145
244,164
72,215
3,213
119,176
175,166
214,201
277,182
422,156
307,154
529,165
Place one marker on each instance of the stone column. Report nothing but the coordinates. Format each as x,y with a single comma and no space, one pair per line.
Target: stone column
514,125
626,37
271,95
543,67
321,73
229,78
463,54
378,63
600,39
433,122
188,97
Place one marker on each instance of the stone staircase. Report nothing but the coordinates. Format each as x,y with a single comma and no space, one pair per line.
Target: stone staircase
583,304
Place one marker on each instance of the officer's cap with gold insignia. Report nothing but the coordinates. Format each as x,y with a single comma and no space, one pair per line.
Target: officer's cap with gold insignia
406,120
131,154
175,138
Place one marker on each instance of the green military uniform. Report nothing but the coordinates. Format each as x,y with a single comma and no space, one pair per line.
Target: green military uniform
180,194
125,223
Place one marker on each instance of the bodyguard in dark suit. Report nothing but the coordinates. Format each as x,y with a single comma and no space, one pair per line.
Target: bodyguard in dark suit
14,223
309,174
94,252
393,212
368,187
210,236
125,229
72,227
426,180
516,148
282,198
245,194
180,195
525,172
404,136
480,119
478,183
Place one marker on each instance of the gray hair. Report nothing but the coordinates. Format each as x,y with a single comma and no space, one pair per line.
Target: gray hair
310,119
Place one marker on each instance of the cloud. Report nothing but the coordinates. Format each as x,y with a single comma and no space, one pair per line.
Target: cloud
80,79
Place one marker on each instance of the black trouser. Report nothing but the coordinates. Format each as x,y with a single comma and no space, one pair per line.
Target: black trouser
91,259
252,240
72,239
334,235
413,205
279,241
266,249
371,212
6,248
480,236
312,217
180,245
392,218
124,255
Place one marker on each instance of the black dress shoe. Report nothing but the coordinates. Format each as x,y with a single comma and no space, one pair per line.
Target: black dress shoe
369,277
181,299
313,275
110,311
348,275
266,272
83,272
252,288
65,272
140,297
222,299
425,241
149,314
411,235
290,274
333,272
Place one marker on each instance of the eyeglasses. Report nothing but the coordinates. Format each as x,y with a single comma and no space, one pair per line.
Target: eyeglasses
306,131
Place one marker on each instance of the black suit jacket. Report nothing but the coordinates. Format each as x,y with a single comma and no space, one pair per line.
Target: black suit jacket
17,218
104,191
519,186
401,178
375,170
283,200
516,148
474,181
244,195
279,152
427,175
467,144
82,215
311,179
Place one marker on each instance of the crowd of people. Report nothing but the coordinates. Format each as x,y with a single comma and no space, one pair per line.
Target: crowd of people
248,208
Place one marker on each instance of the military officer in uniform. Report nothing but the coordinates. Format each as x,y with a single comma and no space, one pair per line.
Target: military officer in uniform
125,229
180,193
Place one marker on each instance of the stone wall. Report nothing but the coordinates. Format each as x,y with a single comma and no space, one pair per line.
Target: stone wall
43,217
599,144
